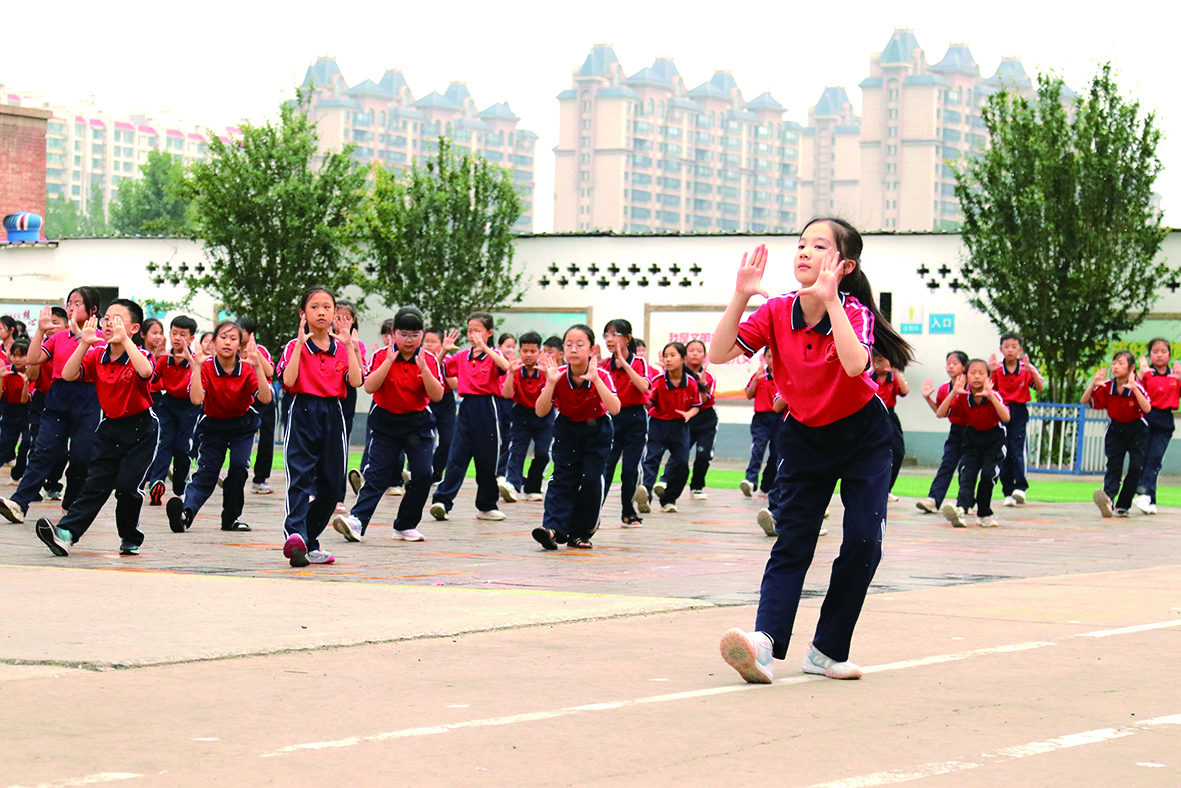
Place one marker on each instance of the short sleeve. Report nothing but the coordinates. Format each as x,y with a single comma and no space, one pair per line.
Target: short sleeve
861,318
206,373
1099,396
452,365
252,379
432,364
285,358
90,364
755,332
609,382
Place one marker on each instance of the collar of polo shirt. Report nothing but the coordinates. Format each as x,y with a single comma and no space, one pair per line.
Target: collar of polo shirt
413,356
314,348
668,383
106,357
220,371
615,361
797,316
570,379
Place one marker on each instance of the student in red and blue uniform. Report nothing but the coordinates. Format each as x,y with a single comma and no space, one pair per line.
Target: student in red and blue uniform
42,377
506,345
522,385
1126,402
891,386
441,345
176,412
14,421
956,364
1164,394
404,379
71,412
226,389
837,430
347,324
476,376
631,376
317,368
125,442
764,427
675,398
584,397
973,401
264,457
703,428
1012,378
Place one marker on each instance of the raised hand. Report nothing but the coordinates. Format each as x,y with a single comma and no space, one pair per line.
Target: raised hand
828,278
928,388
451,340
750,273
993,363
118,330
514,364
986,389
1144,365
88,333
553,373
346,338
5,371
1127,384
961,384
252,354
45,320
1177,369
303,331
419,358
1100,376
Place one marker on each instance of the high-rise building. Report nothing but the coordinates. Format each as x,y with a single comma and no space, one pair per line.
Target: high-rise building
86,147
644,154
388,125
830,157
916,119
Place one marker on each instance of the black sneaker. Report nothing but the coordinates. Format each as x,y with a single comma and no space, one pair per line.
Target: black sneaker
128,548
156,494
56,539
176,515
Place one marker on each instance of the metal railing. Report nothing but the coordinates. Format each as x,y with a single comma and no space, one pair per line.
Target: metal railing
1065,438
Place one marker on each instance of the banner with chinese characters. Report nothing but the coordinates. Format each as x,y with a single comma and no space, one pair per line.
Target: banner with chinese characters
26,312
669,324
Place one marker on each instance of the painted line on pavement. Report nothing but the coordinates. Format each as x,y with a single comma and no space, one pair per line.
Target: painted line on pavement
90,779
1103,633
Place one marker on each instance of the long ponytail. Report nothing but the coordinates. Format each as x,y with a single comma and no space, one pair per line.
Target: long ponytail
886,340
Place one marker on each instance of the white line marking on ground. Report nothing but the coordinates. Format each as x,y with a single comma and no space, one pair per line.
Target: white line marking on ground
899,775
1062,742
1102,633
1173,719
90,779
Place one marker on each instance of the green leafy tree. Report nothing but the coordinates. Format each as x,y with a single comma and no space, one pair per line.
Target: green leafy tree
274,214
94,222
440,235
157,203
62,219
1060,233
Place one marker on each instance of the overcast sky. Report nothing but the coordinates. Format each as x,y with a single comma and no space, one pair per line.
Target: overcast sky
216,62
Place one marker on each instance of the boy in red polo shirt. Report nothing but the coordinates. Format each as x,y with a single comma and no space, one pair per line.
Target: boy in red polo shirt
522,386
973,401
125,441
404,379
1013,378
477,437
583,396
177,414
764,425
14,423
1126,402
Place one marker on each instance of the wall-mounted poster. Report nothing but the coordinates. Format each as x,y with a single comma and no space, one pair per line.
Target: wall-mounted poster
664,324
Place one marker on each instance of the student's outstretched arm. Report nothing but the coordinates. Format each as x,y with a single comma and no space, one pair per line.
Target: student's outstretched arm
724,344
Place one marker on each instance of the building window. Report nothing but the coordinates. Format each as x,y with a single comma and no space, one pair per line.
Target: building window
892,114
585,142
584,158
584,175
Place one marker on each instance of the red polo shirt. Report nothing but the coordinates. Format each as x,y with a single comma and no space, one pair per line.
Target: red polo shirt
477,374
629,395
403,390
764,393
14,386
887,389
1120,406
527,385
977,415
323,372
44,378
61,346
579,401
1163,389
955,418
172,376
707,399
262,351
121,391
1013,386
666,398
228,395
807,371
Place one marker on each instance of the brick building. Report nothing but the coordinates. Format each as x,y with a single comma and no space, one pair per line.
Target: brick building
22,159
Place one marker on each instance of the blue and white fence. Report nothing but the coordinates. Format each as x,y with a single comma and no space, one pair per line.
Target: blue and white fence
1065,438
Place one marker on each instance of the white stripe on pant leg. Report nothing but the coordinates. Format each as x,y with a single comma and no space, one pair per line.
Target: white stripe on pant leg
286,467
139,490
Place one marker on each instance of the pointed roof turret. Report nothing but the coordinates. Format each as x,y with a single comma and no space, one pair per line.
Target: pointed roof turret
457,93
321,73
765,101
665,68
1010,73
900,48
832,104
393,81
648,76
437,100
958,59
598,63
368,88
498,111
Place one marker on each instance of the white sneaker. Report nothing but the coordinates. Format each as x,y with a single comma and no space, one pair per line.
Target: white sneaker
492,514
399,490
698,495
746,487
1103,502
507,491
658,489
669,508
749,654
320,557
356,480
1142,502
954,514
405,476
1019,497
827,512
11,511
439,512
1151,509
409,535
534,496
261,488
817,663
341,509
823,531
347,526
927,505
766,521
891,498
642,505
987,522
1010,501
761,494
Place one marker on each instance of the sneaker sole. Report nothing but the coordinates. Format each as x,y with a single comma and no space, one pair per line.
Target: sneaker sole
419,538
296,551
642,500
747,488
439,511
343,528
952,516
1100,499
507,493
738,652
11,512
156,494
45,534
176,515
767,523
543,538
355,481
923,506
1019,497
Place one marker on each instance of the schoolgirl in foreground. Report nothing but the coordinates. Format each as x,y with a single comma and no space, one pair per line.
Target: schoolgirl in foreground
225,389
582,437
1127,403
837,429
631,376
317,367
